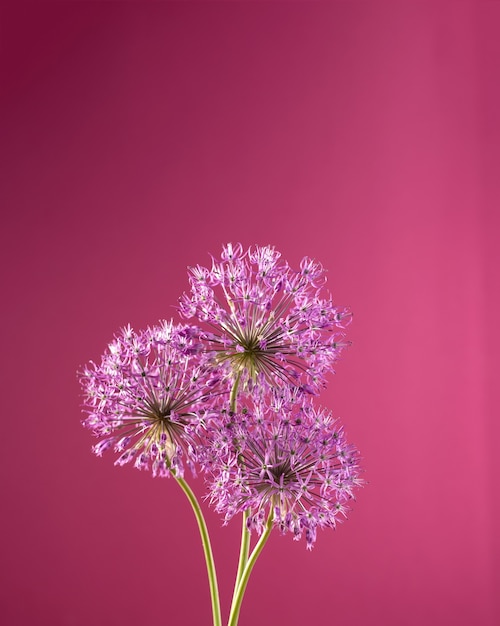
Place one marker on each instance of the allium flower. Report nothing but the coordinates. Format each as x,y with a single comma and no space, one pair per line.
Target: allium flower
144,398
272,324
235,396
288,458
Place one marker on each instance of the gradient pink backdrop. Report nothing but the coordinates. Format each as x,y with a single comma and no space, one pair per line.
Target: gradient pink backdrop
136,139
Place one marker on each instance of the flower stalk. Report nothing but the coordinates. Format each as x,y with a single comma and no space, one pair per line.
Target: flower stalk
207,549
241,588
245,533
244,547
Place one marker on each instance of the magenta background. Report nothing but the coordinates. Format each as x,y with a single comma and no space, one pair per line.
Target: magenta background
135,139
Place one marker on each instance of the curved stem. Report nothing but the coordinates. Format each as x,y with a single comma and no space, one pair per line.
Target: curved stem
244,548
240,590
245,534
207,549
234,393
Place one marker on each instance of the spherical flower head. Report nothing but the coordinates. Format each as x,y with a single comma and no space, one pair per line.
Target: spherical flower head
272,324
149,397
288,459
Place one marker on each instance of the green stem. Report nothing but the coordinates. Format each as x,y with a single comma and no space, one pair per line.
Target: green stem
207,549
234,393
241,587
244,548
245,534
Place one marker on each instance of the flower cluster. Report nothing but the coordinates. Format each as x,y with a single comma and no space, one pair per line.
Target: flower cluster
235,395
273,324
287,458
149,396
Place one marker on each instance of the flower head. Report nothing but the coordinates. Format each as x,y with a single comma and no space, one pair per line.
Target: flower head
149,397
287,458
272,324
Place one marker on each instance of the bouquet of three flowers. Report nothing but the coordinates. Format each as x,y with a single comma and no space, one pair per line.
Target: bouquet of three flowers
233,393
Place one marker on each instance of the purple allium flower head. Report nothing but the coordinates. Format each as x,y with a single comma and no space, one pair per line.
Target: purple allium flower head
288,458
149,397
272,324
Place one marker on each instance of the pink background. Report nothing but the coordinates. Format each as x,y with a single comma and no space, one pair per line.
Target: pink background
137,138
